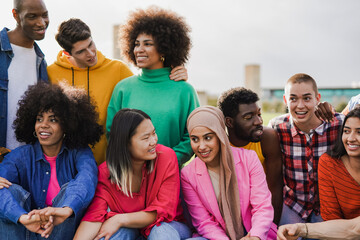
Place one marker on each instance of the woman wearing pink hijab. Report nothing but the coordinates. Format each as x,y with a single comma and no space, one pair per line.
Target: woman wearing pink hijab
224,187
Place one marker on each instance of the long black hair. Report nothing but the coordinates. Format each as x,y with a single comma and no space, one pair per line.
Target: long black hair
118,157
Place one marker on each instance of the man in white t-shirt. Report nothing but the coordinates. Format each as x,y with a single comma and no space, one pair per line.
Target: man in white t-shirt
21,62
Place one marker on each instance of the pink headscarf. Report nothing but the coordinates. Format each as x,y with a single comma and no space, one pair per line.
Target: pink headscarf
229,201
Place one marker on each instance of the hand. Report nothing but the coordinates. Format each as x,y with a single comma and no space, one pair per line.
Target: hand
46,222
324,111
4,183
59,215
109,227
290,231
179,73
248,237
34,224
49,227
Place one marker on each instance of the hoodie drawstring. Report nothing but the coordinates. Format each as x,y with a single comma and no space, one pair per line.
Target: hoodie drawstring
72,71
88,79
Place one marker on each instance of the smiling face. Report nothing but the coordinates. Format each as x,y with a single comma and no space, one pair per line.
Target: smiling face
33,19
206,145
143,143
84,53
49,133
351,137
247,124
301,100
146,54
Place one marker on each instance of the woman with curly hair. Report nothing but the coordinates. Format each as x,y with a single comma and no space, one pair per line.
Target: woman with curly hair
156,40
137,196
48,183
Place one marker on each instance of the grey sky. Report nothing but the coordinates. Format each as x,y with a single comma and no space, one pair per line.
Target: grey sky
318,37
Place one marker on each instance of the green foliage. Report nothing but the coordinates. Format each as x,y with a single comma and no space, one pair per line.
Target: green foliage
267,116
274,107
212,101
340,106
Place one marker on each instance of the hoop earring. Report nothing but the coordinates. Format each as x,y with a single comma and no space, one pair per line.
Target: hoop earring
64,135
162,58
34,134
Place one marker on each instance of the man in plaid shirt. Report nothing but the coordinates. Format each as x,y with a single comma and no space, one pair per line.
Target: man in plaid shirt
303,139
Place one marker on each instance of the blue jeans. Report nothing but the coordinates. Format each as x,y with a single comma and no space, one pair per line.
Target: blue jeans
64,231
166,231
288,216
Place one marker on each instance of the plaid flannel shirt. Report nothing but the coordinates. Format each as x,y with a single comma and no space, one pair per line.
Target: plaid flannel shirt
301,153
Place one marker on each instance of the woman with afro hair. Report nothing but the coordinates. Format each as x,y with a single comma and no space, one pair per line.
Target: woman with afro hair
47,184
156,40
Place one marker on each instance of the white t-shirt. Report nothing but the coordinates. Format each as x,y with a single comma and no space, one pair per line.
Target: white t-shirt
22,73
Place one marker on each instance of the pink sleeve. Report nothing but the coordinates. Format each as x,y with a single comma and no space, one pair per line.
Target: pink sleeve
205,223
260,198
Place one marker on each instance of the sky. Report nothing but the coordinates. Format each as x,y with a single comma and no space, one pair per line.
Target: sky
317,37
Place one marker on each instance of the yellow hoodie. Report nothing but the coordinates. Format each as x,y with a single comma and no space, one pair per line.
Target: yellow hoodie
99,81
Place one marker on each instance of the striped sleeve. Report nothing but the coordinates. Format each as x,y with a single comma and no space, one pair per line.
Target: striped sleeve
339,191
329,205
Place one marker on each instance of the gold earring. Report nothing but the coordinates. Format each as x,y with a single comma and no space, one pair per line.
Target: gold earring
162,58
34,134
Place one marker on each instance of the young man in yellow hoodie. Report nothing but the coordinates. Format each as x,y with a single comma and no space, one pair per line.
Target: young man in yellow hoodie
81,64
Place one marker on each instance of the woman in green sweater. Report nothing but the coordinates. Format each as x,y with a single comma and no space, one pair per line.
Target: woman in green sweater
156,40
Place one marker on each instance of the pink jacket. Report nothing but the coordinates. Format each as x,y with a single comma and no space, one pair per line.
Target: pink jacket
255,198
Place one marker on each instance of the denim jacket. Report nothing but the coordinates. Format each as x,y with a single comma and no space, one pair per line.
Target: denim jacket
6,55
27,167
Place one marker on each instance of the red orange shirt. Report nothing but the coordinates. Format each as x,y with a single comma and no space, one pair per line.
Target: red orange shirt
339,192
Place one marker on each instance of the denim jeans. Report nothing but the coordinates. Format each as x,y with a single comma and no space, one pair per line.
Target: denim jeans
166,231
288,216
64,231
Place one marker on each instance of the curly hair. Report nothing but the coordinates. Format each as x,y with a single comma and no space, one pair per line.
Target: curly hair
169,30
78,117
229,100
70,32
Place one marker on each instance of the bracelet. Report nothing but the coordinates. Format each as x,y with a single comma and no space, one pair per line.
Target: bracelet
306,231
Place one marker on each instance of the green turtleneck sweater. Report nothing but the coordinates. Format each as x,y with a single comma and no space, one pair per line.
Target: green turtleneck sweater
167,102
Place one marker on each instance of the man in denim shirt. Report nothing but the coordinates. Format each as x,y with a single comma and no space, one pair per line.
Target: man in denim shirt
21,61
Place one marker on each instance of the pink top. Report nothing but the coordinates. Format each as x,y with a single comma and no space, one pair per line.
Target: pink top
159,192
255,198
53,188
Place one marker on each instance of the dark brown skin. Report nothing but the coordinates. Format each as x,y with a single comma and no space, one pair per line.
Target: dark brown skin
270,147
242,130
324,111
32,17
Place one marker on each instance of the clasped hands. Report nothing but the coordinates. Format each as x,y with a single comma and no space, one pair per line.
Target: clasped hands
44,220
